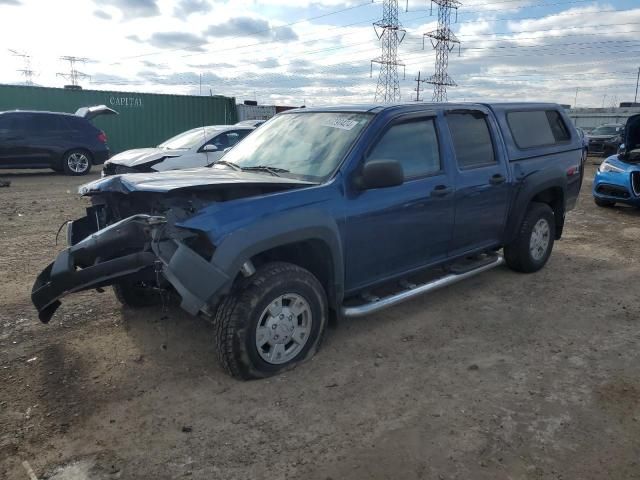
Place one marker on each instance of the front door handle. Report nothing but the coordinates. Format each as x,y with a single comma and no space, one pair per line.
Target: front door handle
441,191
497,179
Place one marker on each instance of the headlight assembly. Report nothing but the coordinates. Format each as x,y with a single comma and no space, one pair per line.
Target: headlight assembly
607,167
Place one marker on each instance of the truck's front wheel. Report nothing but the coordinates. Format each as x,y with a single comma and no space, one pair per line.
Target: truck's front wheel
136,294
532,247
272,321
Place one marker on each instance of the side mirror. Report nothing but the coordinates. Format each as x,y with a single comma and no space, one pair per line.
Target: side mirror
380,174
209,148
622,150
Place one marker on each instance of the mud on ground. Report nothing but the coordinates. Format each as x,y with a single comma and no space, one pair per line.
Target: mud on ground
504,376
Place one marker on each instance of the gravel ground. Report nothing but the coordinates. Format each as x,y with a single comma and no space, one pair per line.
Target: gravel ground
504,376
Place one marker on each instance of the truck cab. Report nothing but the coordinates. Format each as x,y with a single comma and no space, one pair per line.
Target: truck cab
328,213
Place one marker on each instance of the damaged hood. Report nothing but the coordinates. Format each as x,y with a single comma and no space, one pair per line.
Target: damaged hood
141,156
184,179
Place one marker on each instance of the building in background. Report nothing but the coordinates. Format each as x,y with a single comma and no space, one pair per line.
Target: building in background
590,118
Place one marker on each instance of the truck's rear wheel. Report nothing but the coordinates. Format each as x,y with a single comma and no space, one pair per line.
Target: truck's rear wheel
532,247
273,320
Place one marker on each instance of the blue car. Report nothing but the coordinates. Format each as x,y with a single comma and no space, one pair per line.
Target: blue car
618,177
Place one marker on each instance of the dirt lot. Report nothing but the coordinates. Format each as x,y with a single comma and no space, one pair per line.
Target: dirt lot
504,376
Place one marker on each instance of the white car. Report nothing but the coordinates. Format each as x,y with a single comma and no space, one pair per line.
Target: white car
199,147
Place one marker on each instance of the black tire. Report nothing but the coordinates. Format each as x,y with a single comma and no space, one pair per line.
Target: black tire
239,314
518,254
72,161
601,202
136,295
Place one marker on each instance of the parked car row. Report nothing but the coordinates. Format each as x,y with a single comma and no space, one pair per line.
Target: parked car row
70,143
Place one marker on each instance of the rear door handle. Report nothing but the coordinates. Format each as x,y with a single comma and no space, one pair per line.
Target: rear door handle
497,179
441,191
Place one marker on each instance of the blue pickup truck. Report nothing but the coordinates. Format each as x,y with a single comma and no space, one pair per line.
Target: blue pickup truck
327,213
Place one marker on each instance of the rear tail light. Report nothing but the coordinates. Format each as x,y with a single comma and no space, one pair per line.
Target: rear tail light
102,137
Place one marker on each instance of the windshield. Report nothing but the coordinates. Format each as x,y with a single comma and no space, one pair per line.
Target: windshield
606,130
305,145
189,139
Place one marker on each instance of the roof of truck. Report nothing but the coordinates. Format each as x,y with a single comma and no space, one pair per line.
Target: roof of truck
379,107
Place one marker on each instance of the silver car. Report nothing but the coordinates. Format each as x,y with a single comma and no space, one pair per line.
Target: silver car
198,147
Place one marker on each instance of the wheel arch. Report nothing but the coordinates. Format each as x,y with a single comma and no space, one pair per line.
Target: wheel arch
312,254
552,194
308,238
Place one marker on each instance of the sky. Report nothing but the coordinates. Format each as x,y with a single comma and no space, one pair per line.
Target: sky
318,52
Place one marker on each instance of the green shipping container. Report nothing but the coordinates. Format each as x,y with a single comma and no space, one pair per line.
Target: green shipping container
144,120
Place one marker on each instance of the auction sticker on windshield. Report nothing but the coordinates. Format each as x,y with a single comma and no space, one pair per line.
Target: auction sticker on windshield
340,122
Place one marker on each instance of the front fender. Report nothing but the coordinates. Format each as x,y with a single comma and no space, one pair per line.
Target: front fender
240,245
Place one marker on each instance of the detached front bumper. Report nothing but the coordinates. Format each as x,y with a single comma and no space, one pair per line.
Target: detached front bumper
102,257
126,248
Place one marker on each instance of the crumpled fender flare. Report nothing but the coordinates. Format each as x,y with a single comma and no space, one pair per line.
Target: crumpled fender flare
236,248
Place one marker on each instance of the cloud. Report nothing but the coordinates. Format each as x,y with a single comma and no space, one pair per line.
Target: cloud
100,14
180,78
135,38
111,79
211,66
178,40
267,63
254,27
149,64
135,8
187,7
14,3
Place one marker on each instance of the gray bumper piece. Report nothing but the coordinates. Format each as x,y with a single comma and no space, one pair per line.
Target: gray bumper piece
91,263
195,279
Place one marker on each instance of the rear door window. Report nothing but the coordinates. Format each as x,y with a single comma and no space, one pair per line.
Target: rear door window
14,124
471,139
76,124
414,144
537,128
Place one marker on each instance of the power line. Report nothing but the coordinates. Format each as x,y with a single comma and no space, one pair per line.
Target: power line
266,43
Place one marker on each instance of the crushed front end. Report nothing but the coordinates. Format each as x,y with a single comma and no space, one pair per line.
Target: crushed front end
132,237
142,229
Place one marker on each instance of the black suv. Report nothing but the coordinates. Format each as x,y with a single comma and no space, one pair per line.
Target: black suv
64,142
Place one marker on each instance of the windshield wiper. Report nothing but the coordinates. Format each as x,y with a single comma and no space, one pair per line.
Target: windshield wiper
229,164
275,171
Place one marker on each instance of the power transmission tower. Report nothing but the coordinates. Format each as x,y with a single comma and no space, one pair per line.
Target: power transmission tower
26,71
74,75
442,41
417,89
390,33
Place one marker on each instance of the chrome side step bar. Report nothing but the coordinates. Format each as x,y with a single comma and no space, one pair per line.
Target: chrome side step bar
368,308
